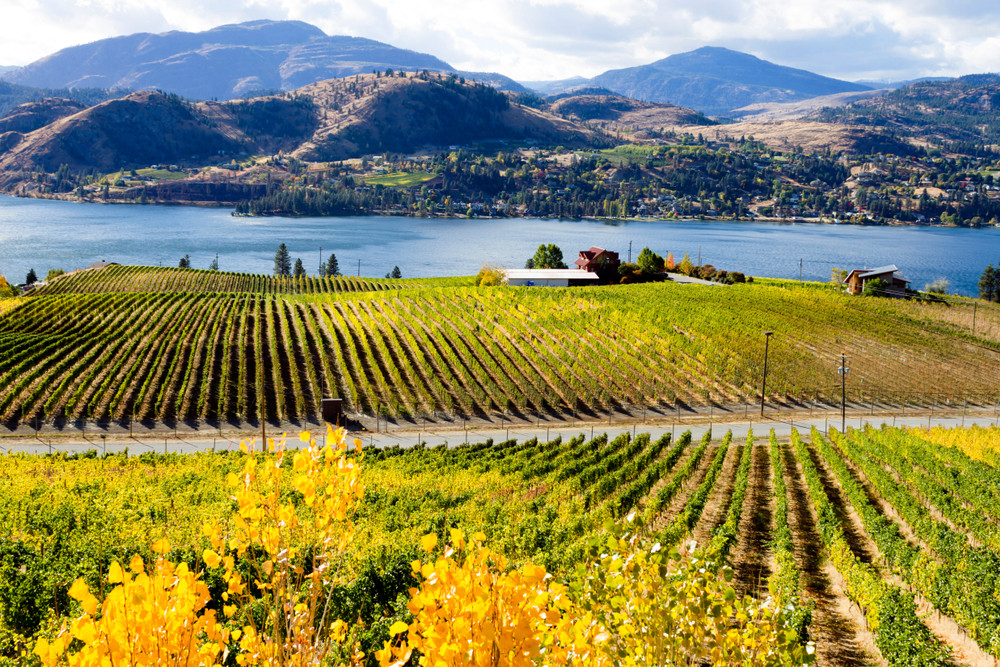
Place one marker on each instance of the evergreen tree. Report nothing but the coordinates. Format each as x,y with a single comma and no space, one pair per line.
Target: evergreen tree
31,278
396,273
649,261
989,284
185,262
282,261
332,268
214,266
299,271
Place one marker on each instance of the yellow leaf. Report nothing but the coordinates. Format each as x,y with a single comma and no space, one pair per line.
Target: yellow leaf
398,628
428,542
161,546
305,436
211,558
79,590
136,564
115,574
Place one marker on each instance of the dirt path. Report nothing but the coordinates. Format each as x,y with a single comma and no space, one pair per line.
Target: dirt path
752,559
838,626
676,504
964,649
714,513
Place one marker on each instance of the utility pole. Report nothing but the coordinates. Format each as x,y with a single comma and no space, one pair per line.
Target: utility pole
800,270
321,260
763,385
843,370
629,252
359,268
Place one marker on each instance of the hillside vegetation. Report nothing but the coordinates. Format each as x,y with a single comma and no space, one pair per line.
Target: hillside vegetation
148,344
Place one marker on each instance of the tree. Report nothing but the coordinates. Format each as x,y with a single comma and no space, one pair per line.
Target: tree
299,271
330,267
547,257
185,262
876,287
939,286
282,261
649,262
54,273
396,273
989,284
490,276
686,266
838,276
214,266
31,278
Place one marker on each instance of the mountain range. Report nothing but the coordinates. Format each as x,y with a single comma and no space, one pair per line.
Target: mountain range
227,62
258,57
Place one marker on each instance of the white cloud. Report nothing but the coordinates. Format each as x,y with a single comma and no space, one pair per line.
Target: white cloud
539,39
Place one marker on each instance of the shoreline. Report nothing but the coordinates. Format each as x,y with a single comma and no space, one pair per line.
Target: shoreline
401,214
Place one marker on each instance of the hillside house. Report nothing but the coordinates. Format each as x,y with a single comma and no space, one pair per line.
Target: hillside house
597,259
897,283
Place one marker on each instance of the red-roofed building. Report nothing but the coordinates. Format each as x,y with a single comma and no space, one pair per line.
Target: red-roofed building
598,260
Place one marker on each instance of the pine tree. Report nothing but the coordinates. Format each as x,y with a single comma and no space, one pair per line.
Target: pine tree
333,266
214,266
282,261
31,278
989,284
299,271
185,262
396,273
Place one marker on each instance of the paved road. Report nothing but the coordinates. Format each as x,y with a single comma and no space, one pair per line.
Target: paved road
452,437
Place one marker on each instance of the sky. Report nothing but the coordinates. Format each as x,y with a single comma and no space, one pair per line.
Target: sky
533,40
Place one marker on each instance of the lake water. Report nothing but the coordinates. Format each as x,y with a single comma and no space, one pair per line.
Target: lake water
44,234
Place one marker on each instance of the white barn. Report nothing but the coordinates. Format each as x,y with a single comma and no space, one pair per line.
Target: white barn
550,277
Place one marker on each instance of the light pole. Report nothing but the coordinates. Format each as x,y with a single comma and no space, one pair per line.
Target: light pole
843,369
763,384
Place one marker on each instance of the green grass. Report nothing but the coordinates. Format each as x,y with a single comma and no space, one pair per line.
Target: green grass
161,174
401,179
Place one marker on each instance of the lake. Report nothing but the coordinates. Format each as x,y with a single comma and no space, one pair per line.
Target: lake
43,234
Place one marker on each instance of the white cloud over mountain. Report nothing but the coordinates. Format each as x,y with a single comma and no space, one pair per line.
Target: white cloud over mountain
547,39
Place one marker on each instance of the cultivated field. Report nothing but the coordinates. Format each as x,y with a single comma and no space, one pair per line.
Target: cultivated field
860,534
170,344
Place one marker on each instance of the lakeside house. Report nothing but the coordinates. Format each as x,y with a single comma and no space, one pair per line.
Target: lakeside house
597,259
896,283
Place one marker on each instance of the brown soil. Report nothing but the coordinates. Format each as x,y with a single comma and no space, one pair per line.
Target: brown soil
752,559
838,627
674,507
717,506
965,651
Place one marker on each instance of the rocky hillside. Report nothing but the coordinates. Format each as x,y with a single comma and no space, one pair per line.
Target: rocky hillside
330,120
717,81
964,111
608,111
227,62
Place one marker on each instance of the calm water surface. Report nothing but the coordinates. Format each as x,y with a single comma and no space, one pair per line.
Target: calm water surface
43,234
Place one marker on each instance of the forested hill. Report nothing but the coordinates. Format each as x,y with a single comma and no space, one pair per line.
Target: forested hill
963,111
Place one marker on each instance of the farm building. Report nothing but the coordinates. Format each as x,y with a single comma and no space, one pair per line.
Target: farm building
551,277
897,284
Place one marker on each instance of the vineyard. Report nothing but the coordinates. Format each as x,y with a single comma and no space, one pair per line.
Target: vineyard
856,536
168,345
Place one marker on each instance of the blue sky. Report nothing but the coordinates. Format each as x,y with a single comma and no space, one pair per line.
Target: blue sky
551,39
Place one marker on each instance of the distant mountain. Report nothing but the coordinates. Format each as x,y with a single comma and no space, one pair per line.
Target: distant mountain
876,84
226,62
330,120
13,95
717,81
556,87
7,68
963,110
